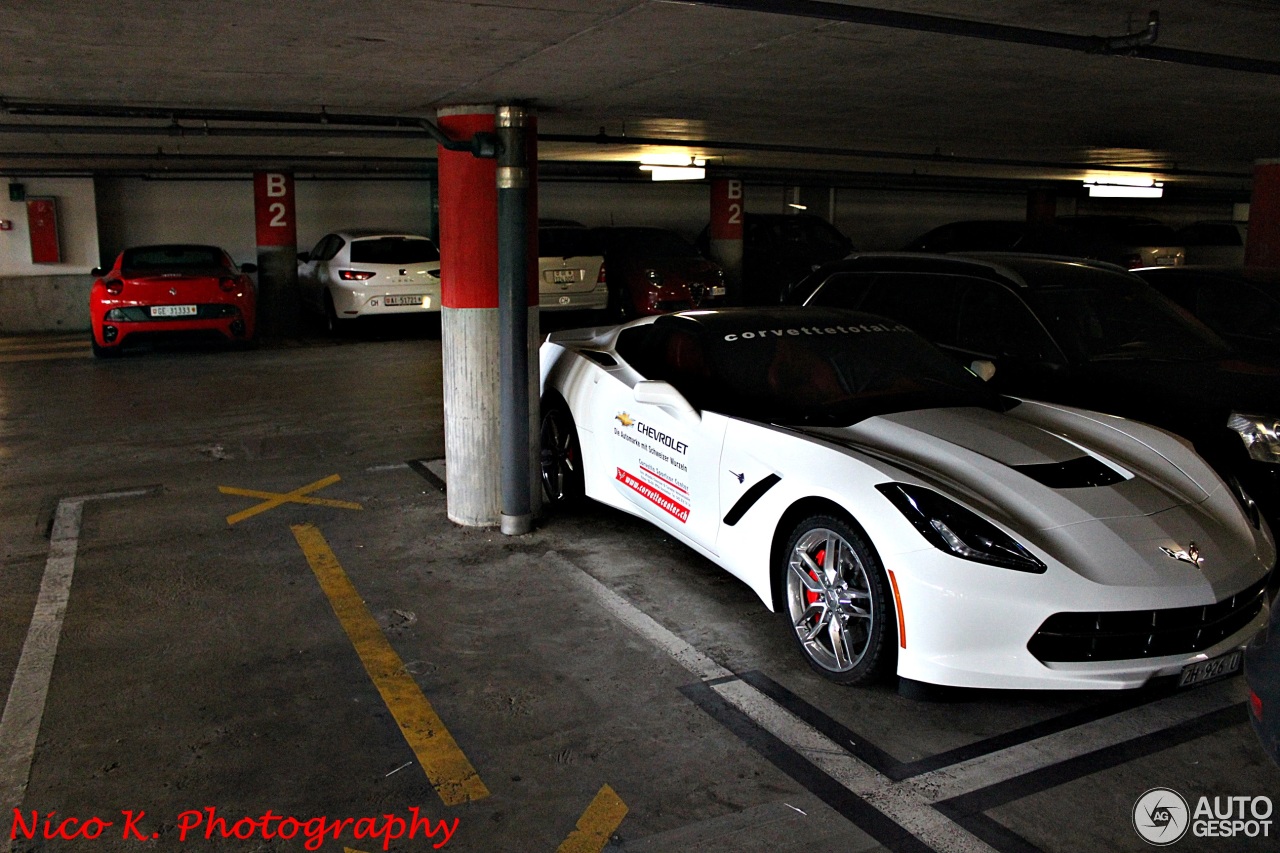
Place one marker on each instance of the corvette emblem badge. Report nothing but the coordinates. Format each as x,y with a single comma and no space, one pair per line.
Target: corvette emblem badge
1190,555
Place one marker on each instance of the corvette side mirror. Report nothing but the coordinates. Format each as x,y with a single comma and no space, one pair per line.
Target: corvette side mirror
655,392
983,369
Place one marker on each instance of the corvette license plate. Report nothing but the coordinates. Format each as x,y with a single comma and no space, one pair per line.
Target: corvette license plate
564,276
404,300
1211,669
173,310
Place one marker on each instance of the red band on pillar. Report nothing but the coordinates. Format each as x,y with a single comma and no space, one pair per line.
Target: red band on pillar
726,209
1262,249
468,219
273,209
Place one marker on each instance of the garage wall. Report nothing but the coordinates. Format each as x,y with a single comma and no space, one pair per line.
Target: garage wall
48,297
136,212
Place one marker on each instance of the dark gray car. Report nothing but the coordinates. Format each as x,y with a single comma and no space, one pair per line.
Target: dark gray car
1262,673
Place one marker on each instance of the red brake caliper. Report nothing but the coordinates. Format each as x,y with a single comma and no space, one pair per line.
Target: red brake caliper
821,557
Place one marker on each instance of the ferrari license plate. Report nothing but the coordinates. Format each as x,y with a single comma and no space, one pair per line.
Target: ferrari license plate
173,310
1211,669
564,276
404,300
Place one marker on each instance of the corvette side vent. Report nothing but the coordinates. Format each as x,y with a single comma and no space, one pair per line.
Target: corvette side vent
1135,634
1073,474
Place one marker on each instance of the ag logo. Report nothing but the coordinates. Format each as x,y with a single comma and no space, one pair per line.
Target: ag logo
1161,816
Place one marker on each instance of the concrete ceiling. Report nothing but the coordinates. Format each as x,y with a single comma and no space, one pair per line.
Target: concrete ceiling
778,92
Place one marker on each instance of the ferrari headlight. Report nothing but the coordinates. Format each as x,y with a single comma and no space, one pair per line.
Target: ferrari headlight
1260,434
952,528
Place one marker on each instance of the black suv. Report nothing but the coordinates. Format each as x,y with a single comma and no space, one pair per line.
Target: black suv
1085,334
779,249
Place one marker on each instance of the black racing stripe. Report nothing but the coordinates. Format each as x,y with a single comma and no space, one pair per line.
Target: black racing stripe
855,809
749,499
419,465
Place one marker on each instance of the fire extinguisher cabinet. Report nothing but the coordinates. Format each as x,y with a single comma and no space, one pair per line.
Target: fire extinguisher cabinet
42,224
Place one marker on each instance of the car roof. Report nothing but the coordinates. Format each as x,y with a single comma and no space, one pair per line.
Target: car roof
365,233
739,320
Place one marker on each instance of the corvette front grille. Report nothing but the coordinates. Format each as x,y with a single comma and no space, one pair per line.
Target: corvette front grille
1134,634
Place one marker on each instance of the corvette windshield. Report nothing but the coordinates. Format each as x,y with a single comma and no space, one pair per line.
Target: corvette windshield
829,373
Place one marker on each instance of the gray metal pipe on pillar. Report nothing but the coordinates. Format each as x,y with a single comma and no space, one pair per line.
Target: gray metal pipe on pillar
513,319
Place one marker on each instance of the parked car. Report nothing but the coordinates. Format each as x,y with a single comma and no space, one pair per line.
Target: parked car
1262,674
779,249
1004,235
1242,305
352,274
900,515
571,268
655,271
1215,241
1129,241
1082,334
179,290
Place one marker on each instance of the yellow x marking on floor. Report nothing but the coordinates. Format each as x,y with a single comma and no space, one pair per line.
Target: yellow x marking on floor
271,500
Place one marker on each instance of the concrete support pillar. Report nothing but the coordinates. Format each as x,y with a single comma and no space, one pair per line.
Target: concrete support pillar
1042,205
727,216
1262,249
471,331
279,301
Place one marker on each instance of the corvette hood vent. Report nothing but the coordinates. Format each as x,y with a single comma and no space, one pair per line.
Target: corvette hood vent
1079,473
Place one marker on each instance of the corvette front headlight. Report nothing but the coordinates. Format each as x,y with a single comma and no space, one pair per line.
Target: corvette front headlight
1260,434
958,531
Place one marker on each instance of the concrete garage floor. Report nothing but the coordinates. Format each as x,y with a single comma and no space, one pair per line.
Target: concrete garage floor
201,664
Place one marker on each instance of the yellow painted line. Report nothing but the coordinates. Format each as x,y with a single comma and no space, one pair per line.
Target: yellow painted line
597,824
271,500
448,770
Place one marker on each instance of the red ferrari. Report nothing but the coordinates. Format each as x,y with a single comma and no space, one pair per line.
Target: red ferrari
157,292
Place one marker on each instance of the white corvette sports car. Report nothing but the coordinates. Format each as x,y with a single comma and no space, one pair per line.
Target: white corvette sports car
901,516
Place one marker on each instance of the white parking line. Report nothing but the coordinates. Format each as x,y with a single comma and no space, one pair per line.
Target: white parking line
907,808
24,709
1012,762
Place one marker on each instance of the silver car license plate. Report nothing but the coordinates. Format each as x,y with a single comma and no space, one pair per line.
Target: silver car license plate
403,300
173,310
1211,669
564,276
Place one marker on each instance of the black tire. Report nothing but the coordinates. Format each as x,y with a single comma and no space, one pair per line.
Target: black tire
563,484
849,584
101,351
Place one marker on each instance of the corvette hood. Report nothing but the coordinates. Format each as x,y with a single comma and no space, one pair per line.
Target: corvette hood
1112,533
997,459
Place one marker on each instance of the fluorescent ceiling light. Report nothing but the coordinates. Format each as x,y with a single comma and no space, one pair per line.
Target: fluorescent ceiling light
797,206
1155,189
1123,186
675,173
674,167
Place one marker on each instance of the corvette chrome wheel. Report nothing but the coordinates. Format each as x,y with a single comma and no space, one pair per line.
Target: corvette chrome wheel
562,481
836,601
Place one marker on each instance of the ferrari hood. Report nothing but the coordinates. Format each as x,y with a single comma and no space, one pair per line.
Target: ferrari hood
1039,476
